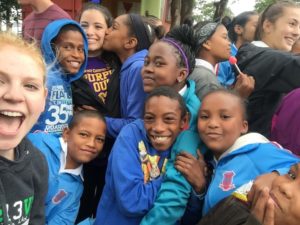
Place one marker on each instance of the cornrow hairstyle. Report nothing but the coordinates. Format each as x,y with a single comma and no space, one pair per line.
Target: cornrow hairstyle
103,10
171,93
243,102
272,13
183,36
240,20
79,115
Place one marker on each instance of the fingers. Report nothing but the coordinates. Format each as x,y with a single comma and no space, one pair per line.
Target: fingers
269,218
259,207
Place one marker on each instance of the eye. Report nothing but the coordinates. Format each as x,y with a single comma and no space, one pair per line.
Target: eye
99,27
169,119
292,175
100,139
203,117
82,134
31,87
146,62
158,63
68,47
225,116
84,25
80,49
148,119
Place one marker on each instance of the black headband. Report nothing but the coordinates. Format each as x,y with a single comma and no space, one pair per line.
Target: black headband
140,32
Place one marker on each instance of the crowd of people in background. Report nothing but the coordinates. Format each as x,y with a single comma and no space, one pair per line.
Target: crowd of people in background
110,121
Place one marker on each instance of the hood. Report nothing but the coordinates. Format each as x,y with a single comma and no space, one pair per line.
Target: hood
247,139
50,32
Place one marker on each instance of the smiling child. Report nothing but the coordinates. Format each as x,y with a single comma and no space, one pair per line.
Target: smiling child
80,143
138,159
64,46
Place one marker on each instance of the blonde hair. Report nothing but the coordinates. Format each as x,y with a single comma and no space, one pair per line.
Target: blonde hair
10,39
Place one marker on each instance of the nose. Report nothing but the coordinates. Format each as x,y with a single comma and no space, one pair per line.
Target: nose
13,93
213,123
89,30
91,142
159,126
108,31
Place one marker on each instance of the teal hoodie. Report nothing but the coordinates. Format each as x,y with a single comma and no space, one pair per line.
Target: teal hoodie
59,107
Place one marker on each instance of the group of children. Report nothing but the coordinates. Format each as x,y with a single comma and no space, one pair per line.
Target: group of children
173,148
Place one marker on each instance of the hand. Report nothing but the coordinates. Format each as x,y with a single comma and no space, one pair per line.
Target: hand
263,209
244,85
194,170
259,184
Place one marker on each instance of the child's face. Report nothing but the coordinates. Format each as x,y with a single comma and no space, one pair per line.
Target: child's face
285,192
220,121
22,96
161,67
117,35
163,121
85,141
94,25
285,31
70,51
219,44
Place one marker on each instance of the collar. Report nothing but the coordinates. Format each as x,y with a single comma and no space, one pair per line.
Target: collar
250,138
260,44
183,90
63,156
201,62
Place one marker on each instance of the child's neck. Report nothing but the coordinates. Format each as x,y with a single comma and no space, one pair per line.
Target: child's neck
8,154
41,6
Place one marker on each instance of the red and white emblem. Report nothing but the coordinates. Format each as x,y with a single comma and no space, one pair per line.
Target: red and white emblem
227,181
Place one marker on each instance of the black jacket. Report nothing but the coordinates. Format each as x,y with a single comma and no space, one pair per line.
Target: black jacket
275,73
23,186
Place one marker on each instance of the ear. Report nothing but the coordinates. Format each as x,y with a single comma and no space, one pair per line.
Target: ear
244,127
267,26
131,43
182,75
185,121
65,134
207,45
238,29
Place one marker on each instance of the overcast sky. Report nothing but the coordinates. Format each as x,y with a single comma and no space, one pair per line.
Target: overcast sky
239,6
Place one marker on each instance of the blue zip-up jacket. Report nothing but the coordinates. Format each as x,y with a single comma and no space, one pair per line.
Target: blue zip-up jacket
65,190
226,74
132,95
129,192
250,156
59,108
192,102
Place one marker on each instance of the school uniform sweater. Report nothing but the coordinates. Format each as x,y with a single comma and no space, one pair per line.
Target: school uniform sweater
65,189
132,95
132,178
250,156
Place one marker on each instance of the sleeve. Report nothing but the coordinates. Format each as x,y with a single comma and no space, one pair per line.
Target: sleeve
133,196
68,213
272,158
226,75
134,103
205,82
175,191
37,215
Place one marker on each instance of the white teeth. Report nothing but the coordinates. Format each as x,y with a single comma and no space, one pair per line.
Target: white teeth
75,64
160,138
12,114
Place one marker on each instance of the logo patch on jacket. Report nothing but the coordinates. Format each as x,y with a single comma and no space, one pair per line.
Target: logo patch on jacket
227,181
59,196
